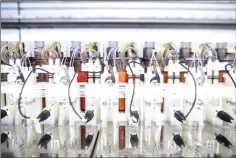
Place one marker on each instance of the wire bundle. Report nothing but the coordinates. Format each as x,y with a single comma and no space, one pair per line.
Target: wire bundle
89,50
9,51
206,47
129,48
21,91
51,51
72,61
20,48
168,51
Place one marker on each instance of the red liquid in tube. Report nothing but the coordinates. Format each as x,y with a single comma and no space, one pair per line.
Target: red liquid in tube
83,135
121,137
162,105
82,77
43,78
44,102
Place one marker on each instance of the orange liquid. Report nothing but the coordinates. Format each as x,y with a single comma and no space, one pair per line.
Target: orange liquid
165,77
181,77
221,77
123,78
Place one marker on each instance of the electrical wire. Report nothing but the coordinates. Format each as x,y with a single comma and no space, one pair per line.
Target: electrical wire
95,143
133,76
69,97
109,54
48,49
57,46
202,77
122,57
63,60
195,91
123,50
234,58
20,48
73,57
89,48
132,97
129,47
167,49
84,58
22,88
153,57
205,47
210,49
2,63
227,71
23,58
8,51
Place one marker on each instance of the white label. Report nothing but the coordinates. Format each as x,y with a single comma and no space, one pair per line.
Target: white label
55,144
121,94
210,144
37,126
171,145
97,68
15,143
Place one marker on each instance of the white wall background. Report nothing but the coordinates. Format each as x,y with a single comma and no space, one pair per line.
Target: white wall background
101,10
158,35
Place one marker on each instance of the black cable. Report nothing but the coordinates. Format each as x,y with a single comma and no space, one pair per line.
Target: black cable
226,69
23,86
195,85
132,97
71,104
195,95
136,63
133,113
95,143
3,63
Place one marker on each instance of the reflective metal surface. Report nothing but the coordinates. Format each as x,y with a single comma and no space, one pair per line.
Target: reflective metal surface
117,141
158,141
65,141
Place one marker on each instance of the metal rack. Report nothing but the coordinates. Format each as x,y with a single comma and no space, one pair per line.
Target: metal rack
110,14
